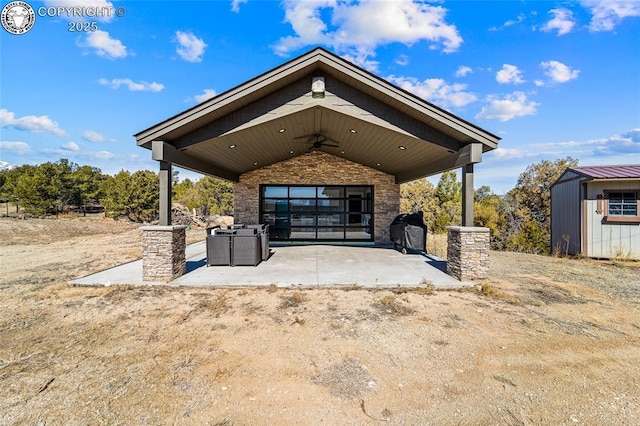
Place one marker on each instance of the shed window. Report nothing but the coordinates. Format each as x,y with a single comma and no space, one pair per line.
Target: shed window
623,204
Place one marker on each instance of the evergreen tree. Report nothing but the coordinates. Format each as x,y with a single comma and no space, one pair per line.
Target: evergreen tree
449,195
135,196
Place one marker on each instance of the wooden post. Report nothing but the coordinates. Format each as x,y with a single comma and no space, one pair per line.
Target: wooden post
165,193
467,195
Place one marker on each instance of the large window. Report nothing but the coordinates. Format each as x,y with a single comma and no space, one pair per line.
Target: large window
313,213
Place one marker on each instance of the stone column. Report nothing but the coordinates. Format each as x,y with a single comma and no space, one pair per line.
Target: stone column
163,252
467,252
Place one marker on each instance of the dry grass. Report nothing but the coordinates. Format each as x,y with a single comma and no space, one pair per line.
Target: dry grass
293,299
390,305
488,290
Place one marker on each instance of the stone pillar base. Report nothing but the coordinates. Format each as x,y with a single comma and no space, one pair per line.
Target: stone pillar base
163,252
467,252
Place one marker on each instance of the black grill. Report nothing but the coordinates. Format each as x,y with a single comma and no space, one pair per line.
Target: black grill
409,232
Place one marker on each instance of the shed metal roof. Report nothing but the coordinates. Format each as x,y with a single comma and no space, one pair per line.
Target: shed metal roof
631,171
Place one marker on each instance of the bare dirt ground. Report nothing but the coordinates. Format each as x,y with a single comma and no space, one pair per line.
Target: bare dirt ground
546,341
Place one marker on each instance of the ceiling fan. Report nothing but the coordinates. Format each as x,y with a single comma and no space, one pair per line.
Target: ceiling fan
319,142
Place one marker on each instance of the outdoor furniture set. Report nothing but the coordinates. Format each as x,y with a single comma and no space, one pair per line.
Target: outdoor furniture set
237,246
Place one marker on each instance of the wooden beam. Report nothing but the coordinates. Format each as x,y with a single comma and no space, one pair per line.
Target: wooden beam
162,151
468,154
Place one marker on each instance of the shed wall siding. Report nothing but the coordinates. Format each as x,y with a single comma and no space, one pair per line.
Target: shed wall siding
566,214
319,168
610,240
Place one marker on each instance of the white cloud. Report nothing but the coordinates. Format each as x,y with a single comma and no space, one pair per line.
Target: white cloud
190,48
506,108
509,74
235,5
559,72
402,60
521,17
509,153
206,94
15,147
562,21
103,5
141,86
606,15
71,146
91,136
105,46
30,123
626,143
436,90
463,71
100,155
359,28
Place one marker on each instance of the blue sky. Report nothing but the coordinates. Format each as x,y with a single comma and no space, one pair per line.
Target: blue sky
551,78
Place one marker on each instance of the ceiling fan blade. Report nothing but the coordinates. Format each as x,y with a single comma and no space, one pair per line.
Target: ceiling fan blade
331,145
305,136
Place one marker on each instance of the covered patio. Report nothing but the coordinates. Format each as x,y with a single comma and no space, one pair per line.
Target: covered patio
317,149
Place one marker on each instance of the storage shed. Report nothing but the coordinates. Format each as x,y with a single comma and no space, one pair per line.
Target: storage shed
595,212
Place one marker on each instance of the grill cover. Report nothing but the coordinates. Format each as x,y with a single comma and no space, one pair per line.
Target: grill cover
409,231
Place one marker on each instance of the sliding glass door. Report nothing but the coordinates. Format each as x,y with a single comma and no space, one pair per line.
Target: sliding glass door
317,213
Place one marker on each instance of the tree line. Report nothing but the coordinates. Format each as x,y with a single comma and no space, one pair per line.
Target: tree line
518,220
53,188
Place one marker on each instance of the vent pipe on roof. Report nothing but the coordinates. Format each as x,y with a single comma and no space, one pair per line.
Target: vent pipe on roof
317,87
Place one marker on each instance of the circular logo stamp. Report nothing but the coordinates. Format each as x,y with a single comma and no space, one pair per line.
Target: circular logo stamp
18,17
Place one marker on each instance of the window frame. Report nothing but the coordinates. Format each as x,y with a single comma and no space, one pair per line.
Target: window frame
621,218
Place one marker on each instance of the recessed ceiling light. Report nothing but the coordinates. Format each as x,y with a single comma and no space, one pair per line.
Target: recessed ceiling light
354,131
232,146
341,152
291,152
255,164
402,147
378,164
282,130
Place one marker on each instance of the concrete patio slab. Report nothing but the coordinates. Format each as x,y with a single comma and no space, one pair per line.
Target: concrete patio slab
304,266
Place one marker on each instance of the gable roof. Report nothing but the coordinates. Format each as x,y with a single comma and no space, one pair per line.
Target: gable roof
271,115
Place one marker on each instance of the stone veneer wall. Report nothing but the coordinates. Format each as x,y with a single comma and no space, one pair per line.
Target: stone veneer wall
467,252
319,168
163,252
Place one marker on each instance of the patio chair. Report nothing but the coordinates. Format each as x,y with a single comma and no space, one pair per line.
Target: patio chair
219,248
246,247
263,231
